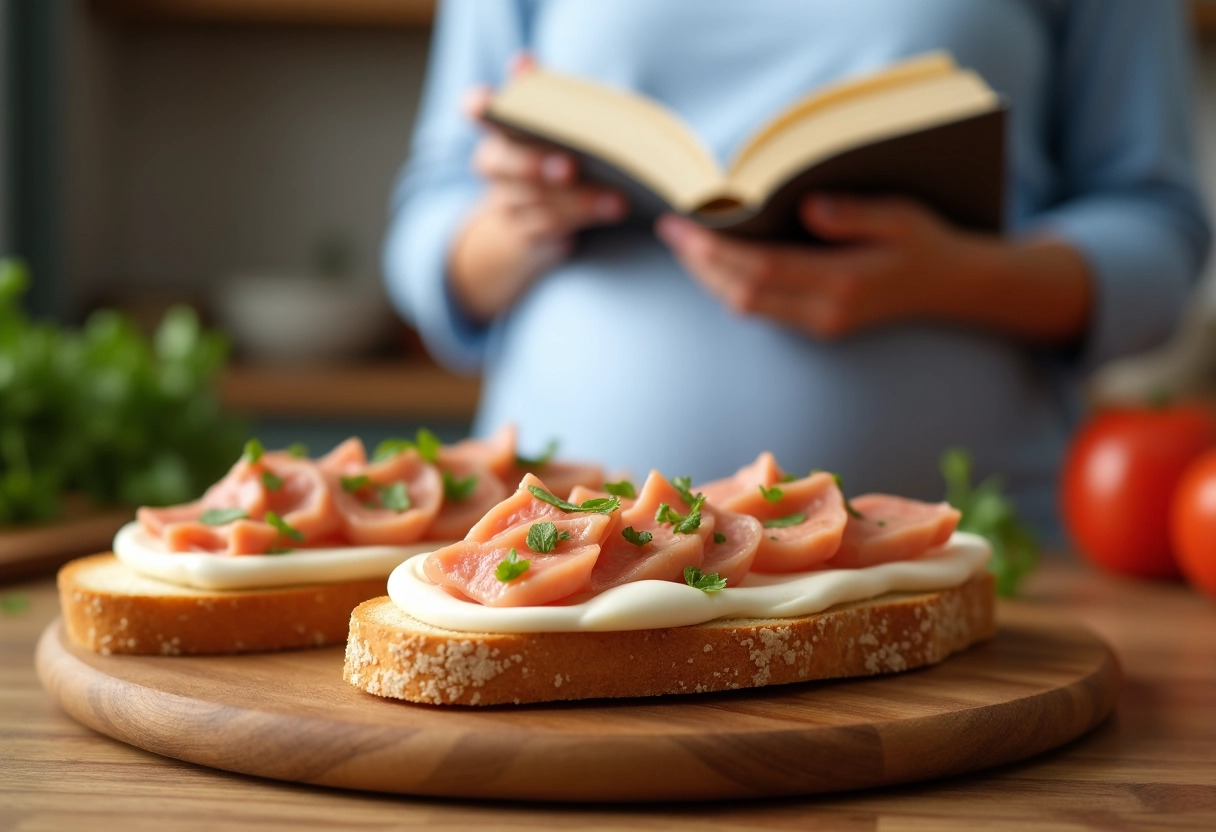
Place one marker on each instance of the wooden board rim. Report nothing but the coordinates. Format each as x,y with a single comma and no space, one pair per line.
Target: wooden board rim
764,743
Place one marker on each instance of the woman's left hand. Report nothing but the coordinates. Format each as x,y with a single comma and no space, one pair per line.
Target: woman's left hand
893,260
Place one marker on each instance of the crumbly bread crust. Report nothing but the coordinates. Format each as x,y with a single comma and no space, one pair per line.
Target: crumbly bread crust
391,654
109,608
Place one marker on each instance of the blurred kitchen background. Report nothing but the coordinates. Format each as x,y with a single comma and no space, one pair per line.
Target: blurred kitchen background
238,155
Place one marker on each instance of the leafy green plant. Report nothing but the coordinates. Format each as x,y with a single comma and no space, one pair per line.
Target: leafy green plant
105,411
989,513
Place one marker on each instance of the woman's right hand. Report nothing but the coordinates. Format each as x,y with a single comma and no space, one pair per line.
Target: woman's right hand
525,222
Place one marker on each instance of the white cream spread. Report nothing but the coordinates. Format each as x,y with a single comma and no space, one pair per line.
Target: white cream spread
201,570
644,605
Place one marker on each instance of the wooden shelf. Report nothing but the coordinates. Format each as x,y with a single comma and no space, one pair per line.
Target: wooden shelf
402,389
1203,13
366,13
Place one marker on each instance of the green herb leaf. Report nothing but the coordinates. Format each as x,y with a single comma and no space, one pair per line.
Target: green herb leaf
511,568
285,528
681,523
789,477
271,481
220,516
719,537
543,537
279,550
773,495
624,488
635,537
253,450
389,448
596,505
545,457
684,486
854,513
988,512
428,445
353,484
697,579
786,521
394,497
297,450
458,489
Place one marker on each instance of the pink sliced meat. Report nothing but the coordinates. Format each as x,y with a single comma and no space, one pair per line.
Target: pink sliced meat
562,476
240,488
470,567
366,520
240,537
344,459
295,489
892,528
457,515
497,453
790,544
724,492
518,509
666,555
732,549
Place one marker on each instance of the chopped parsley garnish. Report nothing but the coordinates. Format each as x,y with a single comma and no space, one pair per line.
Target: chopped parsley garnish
786,521
697,579
394,497
635,537
353,484
279,550
719,537
457,489
271,481
297,450
426,443
545,457
624,488
220,516
854,513
389,448
684,486
543,537
285,528
880,523
254,450
773,495
596,505
789,477
681,523
511,568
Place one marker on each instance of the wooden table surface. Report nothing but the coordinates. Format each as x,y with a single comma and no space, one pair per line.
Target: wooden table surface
1152,765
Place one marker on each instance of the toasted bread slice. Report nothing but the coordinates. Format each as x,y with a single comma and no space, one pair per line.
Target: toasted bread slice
391,654
109,608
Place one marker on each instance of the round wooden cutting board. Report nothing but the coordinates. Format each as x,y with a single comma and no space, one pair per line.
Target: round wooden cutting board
1041,682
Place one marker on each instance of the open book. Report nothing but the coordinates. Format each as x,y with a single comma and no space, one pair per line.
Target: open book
922,128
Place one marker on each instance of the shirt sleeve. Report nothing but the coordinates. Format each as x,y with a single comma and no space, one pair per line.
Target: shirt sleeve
473,44
1129,198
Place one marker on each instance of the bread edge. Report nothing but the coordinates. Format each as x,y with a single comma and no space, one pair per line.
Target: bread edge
205,622
409,660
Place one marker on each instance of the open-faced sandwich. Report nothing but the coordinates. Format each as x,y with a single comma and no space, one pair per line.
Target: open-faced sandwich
278,553
755,580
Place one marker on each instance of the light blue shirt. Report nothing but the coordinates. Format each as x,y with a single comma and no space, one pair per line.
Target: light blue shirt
621,356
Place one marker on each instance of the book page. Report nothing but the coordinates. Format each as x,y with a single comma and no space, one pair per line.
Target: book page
912,70
856,123
633,133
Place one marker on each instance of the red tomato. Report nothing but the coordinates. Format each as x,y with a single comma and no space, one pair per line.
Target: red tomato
1119,479
1193,523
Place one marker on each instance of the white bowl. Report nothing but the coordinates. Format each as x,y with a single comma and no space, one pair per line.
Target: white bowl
296,318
